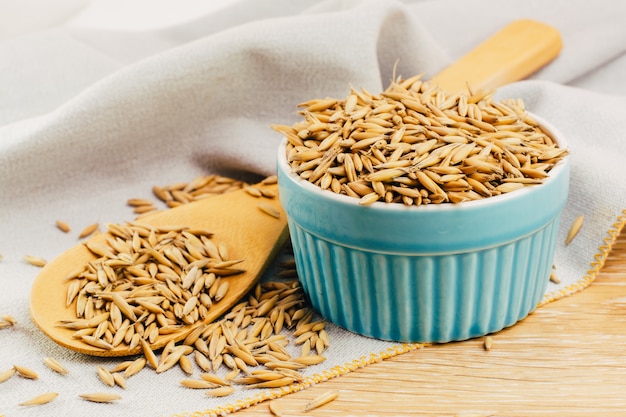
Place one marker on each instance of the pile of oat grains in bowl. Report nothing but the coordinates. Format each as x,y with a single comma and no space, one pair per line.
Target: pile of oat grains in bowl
415,144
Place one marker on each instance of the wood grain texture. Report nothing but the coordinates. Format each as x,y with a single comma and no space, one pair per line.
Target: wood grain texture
567,358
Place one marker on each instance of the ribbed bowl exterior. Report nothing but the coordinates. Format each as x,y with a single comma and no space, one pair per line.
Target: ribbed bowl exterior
425,298
434,273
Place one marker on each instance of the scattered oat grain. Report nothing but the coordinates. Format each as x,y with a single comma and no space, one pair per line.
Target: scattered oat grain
7,374
25,372
267,209
119,379
137,202
221,391
106,376
185,364
253,191
214,379
488,343
272,179
574,229
55,366
101,397
41,399
554,278
9,319
136,366
35,260
274,410
310,359
319,401
89,230
198,384
63,226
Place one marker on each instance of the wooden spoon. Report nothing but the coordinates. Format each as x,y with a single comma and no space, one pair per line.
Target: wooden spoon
256,237
512,54
235,219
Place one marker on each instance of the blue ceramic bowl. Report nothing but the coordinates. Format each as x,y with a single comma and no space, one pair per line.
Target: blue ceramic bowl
432,273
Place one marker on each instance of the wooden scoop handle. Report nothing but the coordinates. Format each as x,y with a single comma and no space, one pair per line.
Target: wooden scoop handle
512,54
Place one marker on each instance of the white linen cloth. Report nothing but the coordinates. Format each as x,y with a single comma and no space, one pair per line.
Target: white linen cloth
99,101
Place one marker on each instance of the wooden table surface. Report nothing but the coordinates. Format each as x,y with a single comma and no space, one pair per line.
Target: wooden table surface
568,358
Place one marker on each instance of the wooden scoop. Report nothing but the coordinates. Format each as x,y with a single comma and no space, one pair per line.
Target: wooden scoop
512,54
253,235
236,220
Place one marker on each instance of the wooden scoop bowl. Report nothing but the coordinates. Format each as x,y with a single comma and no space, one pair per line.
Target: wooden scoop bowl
256,237
235,219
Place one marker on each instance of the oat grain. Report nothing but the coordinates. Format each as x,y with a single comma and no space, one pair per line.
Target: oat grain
574,229
40,399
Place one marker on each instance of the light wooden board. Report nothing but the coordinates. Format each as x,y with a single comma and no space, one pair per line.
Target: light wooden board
567,358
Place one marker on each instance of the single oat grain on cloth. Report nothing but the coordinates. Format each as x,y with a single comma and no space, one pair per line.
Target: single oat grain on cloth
101,102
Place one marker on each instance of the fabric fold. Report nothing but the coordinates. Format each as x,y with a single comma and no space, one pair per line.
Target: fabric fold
93,116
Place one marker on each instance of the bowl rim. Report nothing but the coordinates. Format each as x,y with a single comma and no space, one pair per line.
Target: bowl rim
556,170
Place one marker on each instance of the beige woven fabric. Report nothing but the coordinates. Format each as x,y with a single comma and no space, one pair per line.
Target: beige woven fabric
94,112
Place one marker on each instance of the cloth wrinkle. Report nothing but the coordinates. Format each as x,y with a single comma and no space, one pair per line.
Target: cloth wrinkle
91,116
